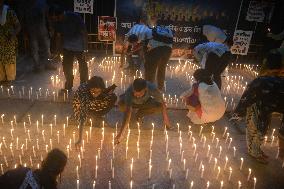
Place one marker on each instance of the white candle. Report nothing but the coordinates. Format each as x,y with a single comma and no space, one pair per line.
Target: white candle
239,185
254,182
77,171
202,171
94,184
112,172
230,173
249,174
219,169
78,184
226,163
242,161
191,185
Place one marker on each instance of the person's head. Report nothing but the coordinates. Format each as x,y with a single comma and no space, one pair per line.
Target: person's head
139,87
153,20
273,62
143,19
56,13
202,75
133,39
54,163
96,85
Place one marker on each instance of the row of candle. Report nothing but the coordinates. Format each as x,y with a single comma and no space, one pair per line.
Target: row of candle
194,141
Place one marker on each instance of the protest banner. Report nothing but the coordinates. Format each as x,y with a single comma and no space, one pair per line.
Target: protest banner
83,6
106,28
241,42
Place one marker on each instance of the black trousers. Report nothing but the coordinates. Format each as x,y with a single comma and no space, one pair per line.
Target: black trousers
155,65
215,65
68,58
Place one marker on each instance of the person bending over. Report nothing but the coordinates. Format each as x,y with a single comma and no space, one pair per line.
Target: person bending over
94,99
144,96
204,100
263,96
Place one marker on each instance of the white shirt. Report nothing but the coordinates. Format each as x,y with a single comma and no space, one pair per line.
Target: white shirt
139,30
201,51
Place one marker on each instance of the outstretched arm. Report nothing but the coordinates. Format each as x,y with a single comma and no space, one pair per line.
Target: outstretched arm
125,123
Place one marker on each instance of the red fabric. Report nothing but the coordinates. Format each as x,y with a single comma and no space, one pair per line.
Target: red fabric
193,100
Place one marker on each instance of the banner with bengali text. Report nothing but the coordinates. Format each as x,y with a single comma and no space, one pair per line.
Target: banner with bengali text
106,28
184,17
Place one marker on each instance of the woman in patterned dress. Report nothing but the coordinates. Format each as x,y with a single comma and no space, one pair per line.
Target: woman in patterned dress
9,28
263,96
92,99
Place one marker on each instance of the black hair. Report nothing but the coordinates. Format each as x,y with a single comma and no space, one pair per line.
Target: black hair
55,162
274,60
132,38
139,84
55,10
202,75
96,82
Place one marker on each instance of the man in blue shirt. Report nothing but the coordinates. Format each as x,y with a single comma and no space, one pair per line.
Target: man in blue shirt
144,96
74,34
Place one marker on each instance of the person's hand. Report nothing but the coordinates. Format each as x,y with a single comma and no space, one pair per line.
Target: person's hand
117,139
78,144
167,123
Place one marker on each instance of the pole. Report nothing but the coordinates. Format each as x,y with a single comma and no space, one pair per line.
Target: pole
240,9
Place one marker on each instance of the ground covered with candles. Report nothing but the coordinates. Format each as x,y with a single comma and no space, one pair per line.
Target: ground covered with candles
35,119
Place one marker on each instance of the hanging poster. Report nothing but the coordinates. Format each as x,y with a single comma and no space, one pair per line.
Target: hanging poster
241,42
84,6
260,11
106,28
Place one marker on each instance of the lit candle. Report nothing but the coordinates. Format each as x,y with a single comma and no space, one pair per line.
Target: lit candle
191,185
230,173
254,182
78,183
249,174
109,185
226,163
77,171
242,161
94,184
202,171
219,169
150,170
131,184
239,185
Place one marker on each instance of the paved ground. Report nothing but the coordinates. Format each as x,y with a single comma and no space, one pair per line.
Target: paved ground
195,154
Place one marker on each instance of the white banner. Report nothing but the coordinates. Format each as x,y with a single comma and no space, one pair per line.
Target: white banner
255,11
83,6
241,42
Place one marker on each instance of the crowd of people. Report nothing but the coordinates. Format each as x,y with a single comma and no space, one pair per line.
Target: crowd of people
204,101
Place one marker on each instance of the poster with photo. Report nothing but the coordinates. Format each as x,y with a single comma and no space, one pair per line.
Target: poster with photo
106,28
